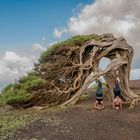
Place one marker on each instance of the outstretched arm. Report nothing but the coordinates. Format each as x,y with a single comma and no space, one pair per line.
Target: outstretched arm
118,79
113,104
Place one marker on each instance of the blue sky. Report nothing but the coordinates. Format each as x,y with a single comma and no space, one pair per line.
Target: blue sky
23,22
27,27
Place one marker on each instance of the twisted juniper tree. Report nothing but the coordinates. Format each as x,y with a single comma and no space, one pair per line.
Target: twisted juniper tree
78,67
70,67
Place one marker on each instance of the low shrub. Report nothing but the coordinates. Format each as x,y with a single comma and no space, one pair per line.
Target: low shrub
20,92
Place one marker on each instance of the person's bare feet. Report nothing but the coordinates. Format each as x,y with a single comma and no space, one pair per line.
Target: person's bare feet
117,108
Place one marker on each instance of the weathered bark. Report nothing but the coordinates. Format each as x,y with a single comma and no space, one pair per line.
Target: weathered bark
70,68
120,54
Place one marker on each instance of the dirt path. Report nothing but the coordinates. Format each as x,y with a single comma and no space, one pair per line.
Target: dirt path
82,122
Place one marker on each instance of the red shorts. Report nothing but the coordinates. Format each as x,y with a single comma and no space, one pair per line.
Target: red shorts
117,101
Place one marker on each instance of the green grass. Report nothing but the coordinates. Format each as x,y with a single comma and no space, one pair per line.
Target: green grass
2,102
9,124
85,97
12,120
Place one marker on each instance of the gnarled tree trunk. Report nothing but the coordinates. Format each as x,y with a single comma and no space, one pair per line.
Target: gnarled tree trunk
120,54
71,66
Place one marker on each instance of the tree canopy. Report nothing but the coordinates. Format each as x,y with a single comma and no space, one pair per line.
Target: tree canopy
67,68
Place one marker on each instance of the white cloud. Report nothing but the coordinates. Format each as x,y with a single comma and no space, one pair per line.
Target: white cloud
119,17
38,47
13,57
105,16
13,66
135,74
58,32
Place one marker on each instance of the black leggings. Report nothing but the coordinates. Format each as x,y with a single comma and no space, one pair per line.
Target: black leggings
99,101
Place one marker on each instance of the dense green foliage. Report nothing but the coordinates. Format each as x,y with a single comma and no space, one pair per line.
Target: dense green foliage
23,90
20,91
76,41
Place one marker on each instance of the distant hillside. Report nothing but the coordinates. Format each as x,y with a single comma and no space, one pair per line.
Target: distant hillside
134,84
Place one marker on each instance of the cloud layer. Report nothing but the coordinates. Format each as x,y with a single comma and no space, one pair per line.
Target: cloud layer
38,47
58,32
13,66
120,17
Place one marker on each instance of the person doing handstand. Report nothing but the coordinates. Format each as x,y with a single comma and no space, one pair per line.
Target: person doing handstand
117,102
99,96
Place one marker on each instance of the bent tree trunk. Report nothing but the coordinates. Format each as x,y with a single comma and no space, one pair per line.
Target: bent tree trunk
120,54
70,67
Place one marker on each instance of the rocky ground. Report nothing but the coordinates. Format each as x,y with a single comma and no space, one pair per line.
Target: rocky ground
80,122
134,84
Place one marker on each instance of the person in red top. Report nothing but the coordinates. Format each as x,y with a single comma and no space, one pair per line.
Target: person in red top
117,102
